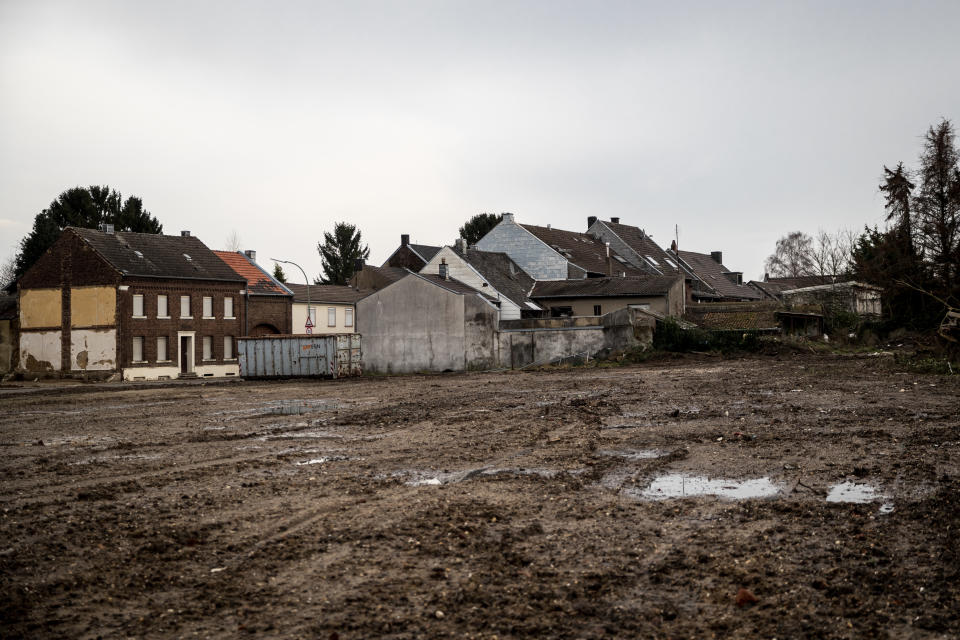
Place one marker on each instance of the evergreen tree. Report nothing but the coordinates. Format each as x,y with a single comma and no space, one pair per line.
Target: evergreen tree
937,204
83,207
278,273
338,253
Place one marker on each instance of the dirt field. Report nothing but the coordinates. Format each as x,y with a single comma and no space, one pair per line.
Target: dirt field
489,505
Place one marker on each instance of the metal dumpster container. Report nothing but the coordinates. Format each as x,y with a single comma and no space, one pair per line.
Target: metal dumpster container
327,356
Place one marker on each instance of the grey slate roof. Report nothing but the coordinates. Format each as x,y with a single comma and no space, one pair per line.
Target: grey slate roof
712,273
425,251
151,255
604,287
327,293
453,285
584,251
644,246
501,272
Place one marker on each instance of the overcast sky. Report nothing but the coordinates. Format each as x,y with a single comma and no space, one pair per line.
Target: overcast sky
736,121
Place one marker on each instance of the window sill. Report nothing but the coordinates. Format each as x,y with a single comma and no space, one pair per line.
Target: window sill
229,359
229,317
139,317
163,317
209,360
138,362
208,317
186,317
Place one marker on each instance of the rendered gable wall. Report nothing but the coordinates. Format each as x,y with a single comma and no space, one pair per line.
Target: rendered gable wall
460,270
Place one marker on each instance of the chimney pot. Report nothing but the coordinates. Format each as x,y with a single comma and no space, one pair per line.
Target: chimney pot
591,220
717,256
250,253
615,220
404,239
460,244
185,234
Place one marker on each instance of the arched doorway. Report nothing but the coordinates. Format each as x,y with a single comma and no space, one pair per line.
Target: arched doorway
264,329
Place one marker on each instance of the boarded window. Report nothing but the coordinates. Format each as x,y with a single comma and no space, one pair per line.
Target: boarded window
138,306
208,347
138,349
348,317
184,306
227,347
331,316
162,310
162,349
207,307
228,307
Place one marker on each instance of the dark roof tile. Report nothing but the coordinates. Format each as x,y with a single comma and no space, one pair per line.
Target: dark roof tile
584,251
604,287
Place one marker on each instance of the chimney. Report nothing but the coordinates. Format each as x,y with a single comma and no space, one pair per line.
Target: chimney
443,269
404,239
609,260
185,234
673,246
717,256
507,217
591,220
251,254
357,265
106,228
460,244
615,220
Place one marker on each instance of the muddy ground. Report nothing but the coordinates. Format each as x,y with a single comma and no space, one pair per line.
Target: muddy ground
507,505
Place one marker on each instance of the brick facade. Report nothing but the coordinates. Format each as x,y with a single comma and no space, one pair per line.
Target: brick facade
269,312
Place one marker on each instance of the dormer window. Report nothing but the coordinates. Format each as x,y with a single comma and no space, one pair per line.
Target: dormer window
139,253
652,261
189,259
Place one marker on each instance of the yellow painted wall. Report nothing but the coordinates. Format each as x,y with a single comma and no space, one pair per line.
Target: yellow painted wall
39,308
93,306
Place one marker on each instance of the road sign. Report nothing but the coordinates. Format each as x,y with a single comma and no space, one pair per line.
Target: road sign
309,330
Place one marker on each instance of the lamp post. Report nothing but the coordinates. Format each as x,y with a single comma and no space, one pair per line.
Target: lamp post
305,278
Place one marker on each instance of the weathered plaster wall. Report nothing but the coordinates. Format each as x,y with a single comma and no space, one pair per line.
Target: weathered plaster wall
459,269
165,373
93,349
481,320
8,346
40,351
40,308
412,325
93,306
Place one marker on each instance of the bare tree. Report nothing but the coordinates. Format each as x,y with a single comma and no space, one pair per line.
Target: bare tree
831,253
232,243
791,258
8,272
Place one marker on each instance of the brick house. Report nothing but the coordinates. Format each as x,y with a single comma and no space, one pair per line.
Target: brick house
410,256
146,306
268,303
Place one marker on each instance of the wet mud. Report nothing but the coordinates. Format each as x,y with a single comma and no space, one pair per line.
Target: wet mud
645,501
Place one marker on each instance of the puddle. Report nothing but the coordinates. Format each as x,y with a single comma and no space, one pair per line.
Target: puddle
634,454
298,407
321,460
678,485
316,433
423,478
855,493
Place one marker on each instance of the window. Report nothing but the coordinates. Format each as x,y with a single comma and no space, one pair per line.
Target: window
138,349
228,307
207,306
596,310
208,347
162,349
185,306
653,261
138,306
348,317
228,347
162,310
331,316
670,262
313,316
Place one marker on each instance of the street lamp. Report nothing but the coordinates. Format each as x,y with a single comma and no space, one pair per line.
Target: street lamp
305,278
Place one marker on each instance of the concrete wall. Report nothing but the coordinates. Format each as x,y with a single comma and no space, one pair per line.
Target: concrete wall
40,351
93,349
93,306
320,313
412,325
459,269
481,320
9,345
528,251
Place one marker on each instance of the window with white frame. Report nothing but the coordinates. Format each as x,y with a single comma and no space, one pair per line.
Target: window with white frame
228,307
313,316
138,306
162,355
138,349
331,316
162,309
207,306
208,347
228,347
348,317
185,307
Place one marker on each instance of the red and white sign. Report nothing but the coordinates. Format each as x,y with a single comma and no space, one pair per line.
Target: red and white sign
308,325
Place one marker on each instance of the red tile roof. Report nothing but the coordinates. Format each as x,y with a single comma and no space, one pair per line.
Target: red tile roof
259,282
